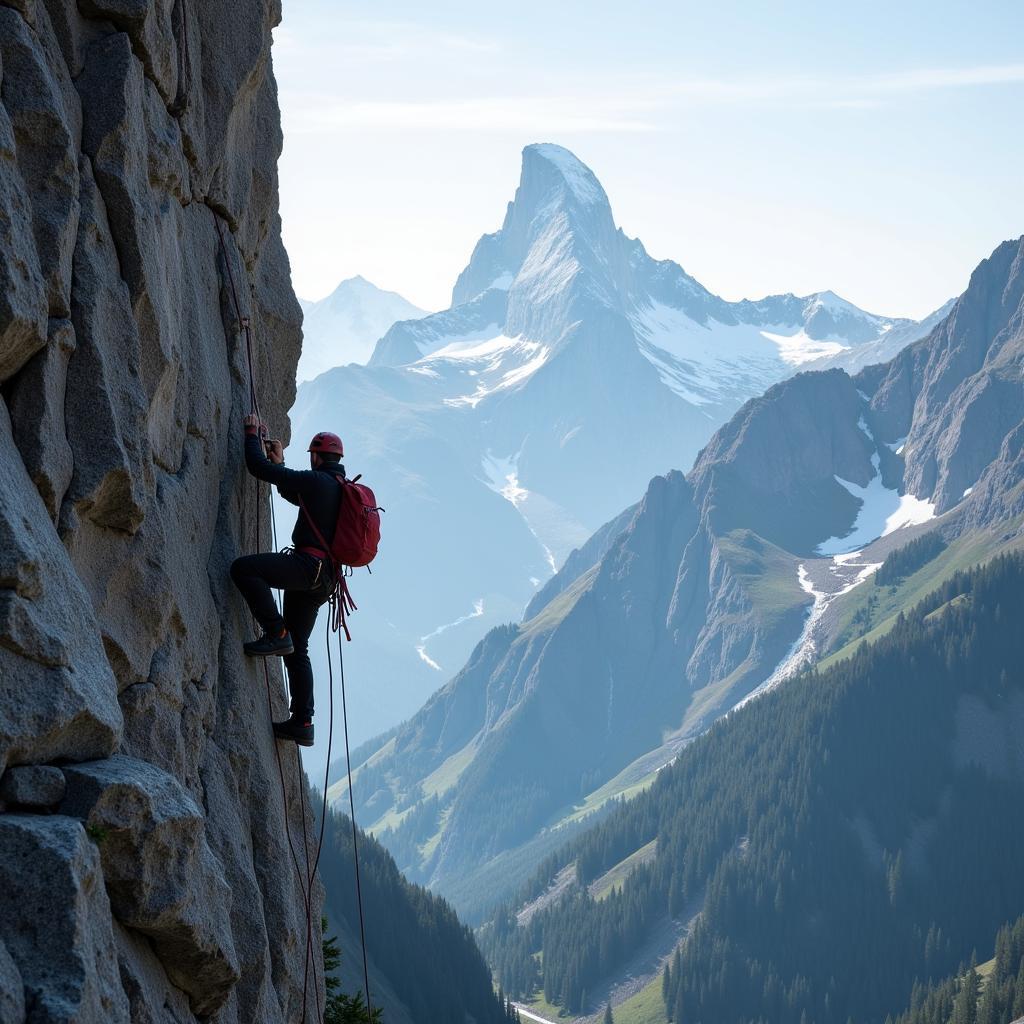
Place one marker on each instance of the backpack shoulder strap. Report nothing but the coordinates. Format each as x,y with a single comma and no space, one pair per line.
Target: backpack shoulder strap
340,481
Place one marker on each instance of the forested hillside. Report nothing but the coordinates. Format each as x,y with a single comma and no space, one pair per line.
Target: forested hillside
844,835
433,969
990,994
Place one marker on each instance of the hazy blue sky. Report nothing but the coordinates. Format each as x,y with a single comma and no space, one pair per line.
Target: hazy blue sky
872,148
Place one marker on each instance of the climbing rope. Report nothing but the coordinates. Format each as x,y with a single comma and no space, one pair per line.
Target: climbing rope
352,810
310,874
339,603
306,889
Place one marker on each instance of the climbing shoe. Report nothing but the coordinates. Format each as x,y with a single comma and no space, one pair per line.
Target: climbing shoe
295,729
268,646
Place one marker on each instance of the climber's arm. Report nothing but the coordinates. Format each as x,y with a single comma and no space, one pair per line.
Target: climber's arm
256,461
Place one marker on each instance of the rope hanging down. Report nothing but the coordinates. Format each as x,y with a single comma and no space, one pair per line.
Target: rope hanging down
335,618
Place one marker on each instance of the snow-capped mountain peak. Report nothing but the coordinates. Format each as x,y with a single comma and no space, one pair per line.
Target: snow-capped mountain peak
559,220
570,368
344,327
832,302
558,260
576,176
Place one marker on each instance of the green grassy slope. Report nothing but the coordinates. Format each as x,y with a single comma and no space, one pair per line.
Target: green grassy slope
878,608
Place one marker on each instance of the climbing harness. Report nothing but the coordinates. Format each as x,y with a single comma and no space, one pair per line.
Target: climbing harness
337,601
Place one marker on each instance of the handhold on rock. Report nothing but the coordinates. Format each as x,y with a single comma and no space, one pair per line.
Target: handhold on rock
32,785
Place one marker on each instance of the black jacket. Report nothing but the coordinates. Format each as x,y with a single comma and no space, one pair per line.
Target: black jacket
317,488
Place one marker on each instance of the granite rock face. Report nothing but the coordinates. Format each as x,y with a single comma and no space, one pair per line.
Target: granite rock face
160,874
129,129
12,989
34,785
58,930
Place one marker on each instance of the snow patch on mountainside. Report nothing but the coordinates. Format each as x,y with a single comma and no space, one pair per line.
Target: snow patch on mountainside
796,349
845,572
454,344
484,362
555,530
704,364
421,647
502,476
710,363
882,511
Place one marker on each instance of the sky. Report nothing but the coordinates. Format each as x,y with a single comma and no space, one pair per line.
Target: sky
874,149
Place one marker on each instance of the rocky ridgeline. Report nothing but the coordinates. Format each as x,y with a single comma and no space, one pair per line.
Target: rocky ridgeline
144,863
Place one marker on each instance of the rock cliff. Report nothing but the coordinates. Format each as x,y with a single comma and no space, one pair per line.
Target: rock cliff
144,856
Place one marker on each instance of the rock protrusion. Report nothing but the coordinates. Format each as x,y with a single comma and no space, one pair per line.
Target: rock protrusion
58,696
37,786
160,874
56,921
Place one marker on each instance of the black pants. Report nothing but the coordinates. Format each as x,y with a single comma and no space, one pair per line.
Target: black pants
306,585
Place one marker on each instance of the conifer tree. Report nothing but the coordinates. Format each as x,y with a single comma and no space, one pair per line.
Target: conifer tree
965,1008
1018,993
677,1010
341,1008
987,1007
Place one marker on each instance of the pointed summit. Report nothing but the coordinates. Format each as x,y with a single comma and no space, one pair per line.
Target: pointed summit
577,177
559,221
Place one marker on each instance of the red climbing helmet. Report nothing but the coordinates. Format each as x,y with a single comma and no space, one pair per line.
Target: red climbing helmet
325,441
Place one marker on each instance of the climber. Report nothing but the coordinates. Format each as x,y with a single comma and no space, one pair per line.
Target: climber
304,573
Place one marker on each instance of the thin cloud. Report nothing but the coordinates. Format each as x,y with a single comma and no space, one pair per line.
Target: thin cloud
841,90
637,105
546,114
372,42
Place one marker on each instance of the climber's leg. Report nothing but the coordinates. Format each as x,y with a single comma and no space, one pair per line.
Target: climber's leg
300,611
255,575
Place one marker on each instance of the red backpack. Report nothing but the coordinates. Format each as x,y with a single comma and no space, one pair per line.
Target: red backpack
355,541
357,529
357,532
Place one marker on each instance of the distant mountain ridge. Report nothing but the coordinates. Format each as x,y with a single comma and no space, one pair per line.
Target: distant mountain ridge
344,327
718,583
501,433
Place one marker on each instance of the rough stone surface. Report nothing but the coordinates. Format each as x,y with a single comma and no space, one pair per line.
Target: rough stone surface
161,876
128,130
152,997
58,930
12,990
32,786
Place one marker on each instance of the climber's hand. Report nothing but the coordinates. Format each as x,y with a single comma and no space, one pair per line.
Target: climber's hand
253,422
275,451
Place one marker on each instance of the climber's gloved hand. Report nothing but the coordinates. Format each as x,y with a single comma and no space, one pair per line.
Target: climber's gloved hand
275,451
